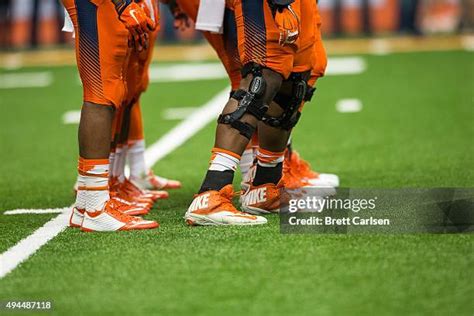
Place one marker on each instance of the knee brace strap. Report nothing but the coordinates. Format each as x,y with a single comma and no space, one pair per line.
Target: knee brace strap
290,104
309,93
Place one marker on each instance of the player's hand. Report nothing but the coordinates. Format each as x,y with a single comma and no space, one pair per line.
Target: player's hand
141,44
288,23
138,24
181,20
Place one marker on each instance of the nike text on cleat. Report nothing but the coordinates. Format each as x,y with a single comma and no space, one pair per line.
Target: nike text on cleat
216,208
263,199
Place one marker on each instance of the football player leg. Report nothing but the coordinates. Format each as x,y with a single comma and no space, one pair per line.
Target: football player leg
101,39
121,189
294,164
124,190
140,175
264,194
267,61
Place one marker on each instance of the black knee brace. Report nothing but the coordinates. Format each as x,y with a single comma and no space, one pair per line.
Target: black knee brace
309,93
290,103
250,102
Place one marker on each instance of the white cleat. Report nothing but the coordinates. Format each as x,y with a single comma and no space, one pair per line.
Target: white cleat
111,219
325,180
76,218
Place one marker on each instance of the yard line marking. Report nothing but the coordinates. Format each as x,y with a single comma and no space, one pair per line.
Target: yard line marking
187,72
71,117
17,254
203,71
11,258
25,80
178,113
34,211
349,105
345,66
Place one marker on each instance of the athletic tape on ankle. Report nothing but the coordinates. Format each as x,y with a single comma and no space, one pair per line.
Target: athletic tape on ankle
266,158
222,160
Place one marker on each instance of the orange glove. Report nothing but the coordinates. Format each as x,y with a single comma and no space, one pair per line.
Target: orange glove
288,23
138,24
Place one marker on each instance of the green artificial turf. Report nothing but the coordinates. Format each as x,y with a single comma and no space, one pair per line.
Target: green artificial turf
415,130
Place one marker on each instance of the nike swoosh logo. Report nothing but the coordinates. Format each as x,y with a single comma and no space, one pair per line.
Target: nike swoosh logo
132,13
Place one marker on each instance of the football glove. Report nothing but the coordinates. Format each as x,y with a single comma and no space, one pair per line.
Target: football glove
287,21
136,21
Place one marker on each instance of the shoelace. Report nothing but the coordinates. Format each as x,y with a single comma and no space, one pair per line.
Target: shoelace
304,166
112,209
290,178
226,200
131,188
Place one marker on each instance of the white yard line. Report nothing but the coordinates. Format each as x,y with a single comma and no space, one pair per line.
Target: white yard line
345,66
35,211
71,117
202,71
187,72
11,258
349,105
25,80
17,254
178,113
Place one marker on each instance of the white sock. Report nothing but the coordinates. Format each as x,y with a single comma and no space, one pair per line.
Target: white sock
246,161
117,158
136,159
81,196
121,164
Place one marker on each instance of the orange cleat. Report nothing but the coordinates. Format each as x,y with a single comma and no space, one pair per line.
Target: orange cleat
130,208
151,181
134,189
302,169
264,199
127,193
216,208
